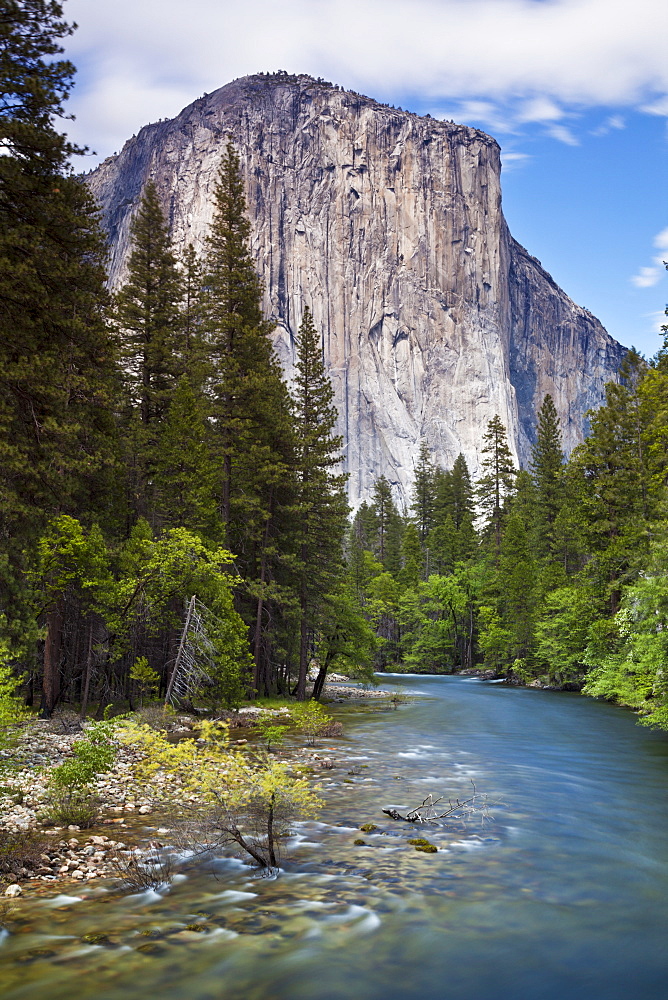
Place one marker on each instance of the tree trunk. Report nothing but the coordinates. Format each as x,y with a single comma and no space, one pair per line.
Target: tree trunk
303,659
52,656
87,676
270,832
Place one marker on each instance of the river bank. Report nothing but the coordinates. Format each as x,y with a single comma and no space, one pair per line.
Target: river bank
129,822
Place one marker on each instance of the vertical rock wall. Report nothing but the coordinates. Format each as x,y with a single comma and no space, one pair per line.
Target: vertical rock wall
389,226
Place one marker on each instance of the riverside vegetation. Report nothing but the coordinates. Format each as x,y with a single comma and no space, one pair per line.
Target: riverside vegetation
151,451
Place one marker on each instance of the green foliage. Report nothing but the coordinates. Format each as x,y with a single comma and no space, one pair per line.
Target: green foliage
311,719
270,732
497,481
91,755
322,507
146,679
233,799
70,799
423,497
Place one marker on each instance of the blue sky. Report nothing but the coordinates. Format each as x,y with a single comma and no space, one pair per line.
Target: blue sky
575,92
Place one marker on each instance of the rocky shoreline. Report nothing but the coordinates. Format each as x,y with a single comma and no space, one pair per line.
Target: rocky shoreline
70,854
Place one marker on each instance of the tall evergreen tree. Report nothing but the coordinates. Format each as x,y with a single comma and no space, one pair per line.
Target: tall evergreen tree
423,495
547,467
252,424
387,525
617,495
497,482
147,312
56,357
322,506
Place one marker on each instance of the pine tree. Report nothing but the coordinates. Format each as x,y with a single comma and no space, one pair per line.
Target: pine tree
517,586
184,469
387,526
322,505
147,312
412,570
547,467
56,358
497,482
423,495
252,424
617,495
463,510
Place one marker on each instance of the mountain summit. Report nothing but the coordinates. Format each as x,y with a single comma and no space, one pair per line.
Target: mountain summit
389,226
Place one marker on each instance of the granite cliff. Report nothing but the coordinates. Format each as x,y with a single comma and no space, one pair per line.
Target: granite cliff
389,226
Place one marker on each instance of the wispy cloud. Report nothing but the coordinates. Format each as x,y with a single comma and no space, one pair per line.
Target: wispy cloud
563,134
611,124
512,160
648,276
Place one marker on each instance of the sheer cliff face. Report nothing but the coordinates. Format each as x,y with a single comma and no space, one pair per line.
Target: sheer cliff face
389,226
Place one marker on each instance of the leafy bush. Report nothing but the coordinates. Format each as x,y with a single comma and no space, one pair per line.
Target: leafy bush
71,807
231,798
312,720
69,798
271,731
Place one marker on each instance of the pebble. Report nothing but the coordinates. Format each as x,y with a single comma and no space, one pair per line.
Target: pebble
13,890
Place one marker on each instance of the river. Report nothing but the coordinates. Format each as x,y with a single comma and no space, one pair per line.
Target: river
562,893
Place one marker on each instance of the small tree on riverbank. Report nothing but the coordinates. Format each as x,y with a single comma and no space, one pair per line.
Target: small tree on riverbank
232,799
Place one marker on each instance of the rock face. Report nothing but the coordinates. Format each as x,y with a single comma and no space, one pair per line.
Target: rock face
389,226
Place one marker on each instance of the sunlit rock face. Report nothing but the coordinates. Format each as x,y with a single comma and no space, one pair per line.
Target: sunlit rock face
389,226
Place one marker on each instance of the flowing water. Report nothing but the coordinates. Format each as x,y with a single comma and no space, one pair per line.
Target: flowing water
561,894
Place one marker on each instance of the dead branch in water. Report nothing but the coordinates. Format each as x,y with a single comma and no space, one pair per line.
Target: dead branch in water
461,810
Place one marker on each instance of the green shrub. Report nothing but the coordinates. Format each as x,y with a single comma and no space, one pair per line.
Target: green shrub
71,807
70,801
271,732
311,720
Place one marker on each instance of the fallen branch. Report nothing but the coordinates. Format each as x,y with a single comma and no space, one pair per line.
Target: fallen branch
458,809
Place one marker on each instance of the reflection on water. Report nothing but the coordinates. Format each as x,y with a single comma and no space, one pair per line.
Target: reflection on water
562,892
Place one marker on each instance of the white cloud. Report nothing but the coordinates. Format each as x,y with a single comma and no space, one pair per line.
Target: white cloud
540,109
658,107
563,134
611,124
649,276
646,277
656,319
511,160
142,58
661,240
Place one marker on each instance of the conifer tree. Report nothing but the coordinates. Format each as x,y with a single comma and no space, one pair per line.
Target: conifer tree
617,495
497,482
517,587
388,526
412,557
463,510
322,506
185,472
147,312
423,495
252,425
56,356
548,471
